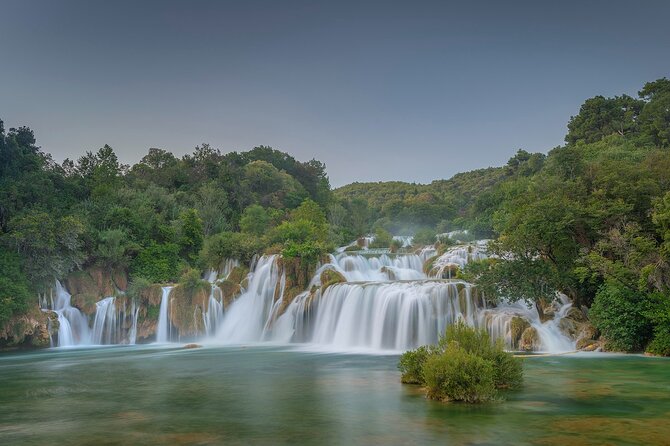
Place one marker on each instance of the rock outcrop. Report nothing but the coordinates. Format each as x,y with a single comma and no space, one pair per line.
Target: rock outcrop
34,328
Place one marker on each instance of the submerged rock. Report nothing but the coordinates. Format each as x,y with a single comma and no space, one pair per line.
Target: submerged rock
189,346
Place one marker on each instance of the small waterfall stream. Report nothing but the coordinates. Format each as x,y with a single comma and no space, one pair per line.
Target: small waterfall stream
163,327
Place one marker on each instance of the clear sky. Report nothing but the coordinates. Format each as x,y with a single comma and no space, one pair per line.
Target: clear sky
378,90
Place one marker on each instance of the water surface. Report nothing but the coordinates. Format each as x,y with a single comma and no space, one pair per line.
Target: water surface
261,395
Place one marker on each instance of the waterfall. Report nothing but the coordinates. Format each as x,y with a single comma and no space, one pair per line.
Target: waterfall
132,334
213,317
386,303
246,318
359,268
73,325
163,327
104,325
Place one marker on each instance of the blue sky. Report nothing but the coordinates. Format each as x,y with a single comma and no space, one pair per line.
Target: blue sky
378,90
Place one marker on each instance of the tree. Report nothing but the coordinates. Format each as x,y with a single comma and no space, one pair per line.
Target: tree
190,234
655,116
599,117
255,220
14,286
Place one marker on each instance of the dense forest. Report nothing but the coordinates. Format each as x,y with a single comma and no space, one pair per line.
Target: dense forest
591,218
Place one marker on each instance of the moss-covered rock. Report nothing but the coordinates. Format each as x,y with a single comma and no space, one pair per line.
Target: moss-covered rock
187,306
587,339
238,274
93,284
517,325
530,340
330,277
429,264
229,291
32,329
576,315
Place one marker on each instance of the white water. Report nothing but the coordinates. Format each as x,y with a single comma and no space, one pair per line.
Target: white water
387,304
104,325
73,324
163,327
247,317
375,311
107,326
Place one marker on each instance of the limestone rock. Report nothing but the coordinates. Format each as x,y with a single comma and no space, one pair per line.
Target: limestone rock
530,340
330,277
31,329
517,326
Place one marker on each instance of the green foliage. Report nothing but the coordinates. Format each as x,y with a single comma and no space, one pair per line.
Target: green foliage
655,116
191,279
599,117
465,366
619,313
411,365
458,375
158,263
659,314
424,237
255,220
114,248
136,287
50,248
14,287
383,239
229,245
190,234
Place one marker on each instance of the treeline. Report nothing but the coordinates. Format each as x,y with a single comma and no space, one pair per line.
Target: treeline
162,219
591,218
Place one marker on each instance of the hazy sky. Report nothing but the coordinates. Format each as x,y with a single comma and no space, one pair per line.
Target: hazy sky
378,90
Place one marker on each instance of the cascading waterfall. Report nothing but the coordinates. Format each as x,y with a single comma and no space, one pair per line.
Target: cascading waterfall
386,303
132,333
213,317
163,327
108,323
104,325
248,316
359,268
73,324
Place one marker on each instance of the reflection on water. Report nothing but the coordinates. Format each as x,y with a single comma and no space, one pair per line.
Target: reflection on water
165,395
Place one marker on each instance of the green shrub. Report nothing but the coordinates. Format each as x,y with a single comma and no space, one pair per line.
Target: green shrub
14,286
659,314
157,263
411,365
382,239
191,279
136,286
507,370
465,366
619,315
459,375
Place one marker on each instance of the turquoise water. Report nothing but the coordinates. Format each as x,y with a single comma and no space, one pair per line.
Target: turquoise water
216,395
